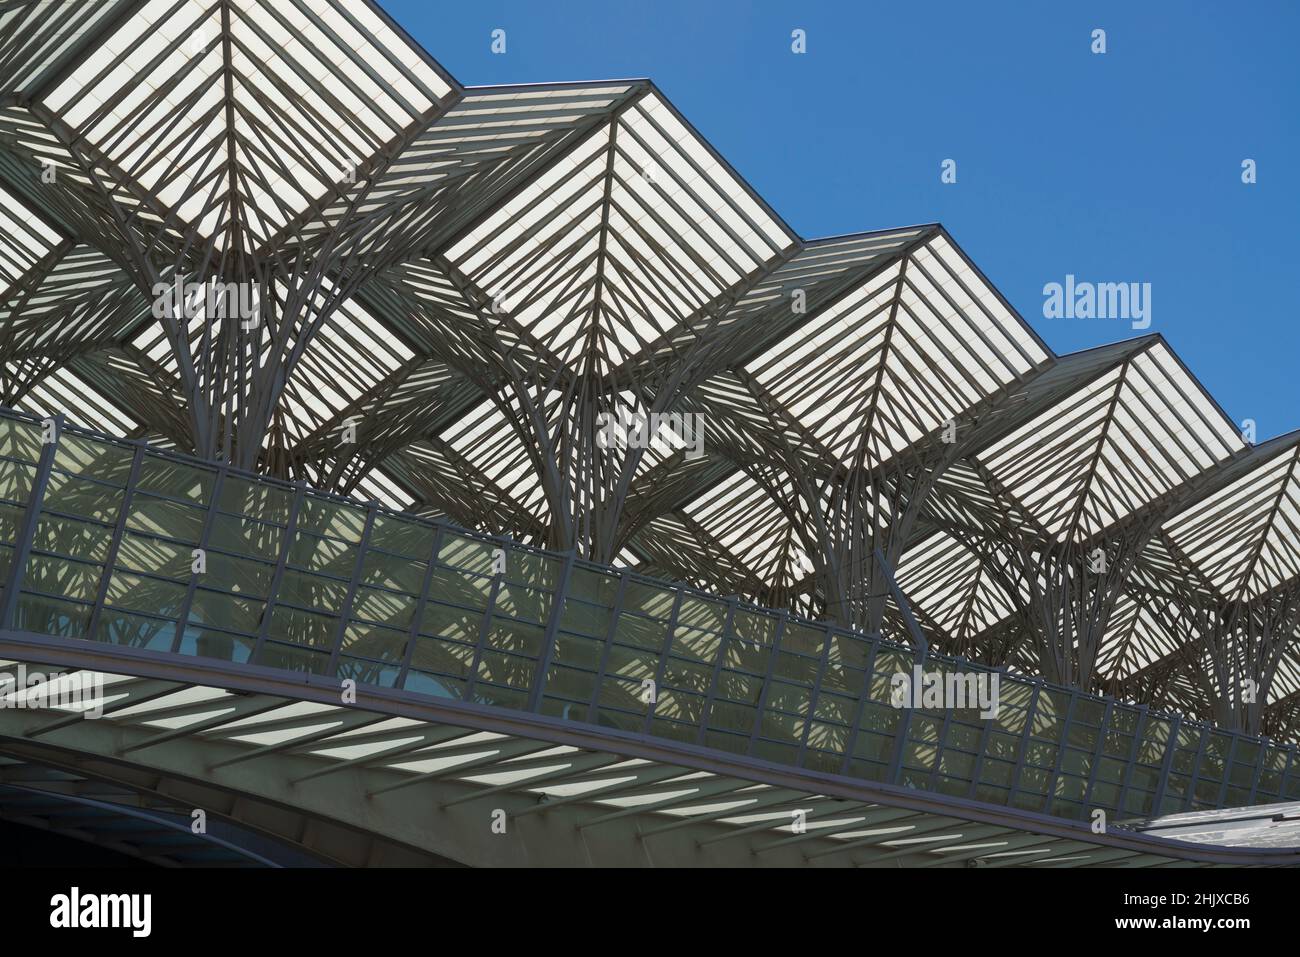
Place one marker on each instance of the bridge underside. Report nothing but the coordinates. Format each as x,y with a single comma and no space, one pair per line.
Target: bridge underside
135,819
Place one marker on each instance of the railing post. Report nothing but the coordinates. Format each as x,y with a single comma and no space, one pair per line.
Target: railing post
706,712
547,651
980,747
1227,770
114,546
815,695
851,740
1132,757
1166,765
1264,746
1196,767
663,660
941,745
281,561
1098,753
900,742
421,603
346,611
1061,745
615,613
183,616
1022,746
27,531
481,643
767,681
1286,772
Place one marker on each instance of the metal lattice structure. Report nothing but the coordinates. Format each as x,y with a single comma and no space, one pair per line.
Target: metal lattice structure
454,286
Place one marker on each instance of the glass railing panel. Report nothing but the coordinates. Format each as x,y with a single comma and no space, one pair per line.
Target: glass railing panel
327,556
108,462
401,536
297,640
643,666
317,593
229,612
843,676
443,655
1144,774
999,747
372,654
1272,772
326,518
453,587
873,746
237,535
164,518
20,440
462,552
151,600
381,606
258,501
586,619
82,497
60,582
132,630
393,573
1211,767
1242,773
1291,779
593,587
155,557
649,600
168,478
1182,766
16,480
291,657
571,677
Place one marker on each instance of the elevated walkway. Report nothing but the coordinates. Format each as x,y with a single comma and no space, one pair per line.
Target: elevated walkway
185,578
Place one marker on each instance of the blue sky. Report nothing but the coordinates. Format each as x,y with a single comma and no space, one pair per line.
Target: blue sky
1120,167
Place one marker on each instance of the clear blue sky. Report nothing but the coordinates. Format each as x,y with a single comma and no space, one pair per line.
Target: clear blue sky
1122,167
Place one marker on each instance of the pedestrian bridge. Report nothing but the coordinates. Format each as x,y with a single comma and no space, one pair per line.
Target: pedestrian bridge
328,681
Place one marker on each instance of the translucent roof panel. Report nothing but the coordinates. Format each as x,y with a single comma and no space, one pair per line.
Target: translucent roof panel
1245,539
816,272
353,355
1115,446
24,241
1286,681
485,439
624,239
484,145
35,37
377,486
63,392
748,523
911,348
1138,636
445,483
81,297
315,87
946,581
